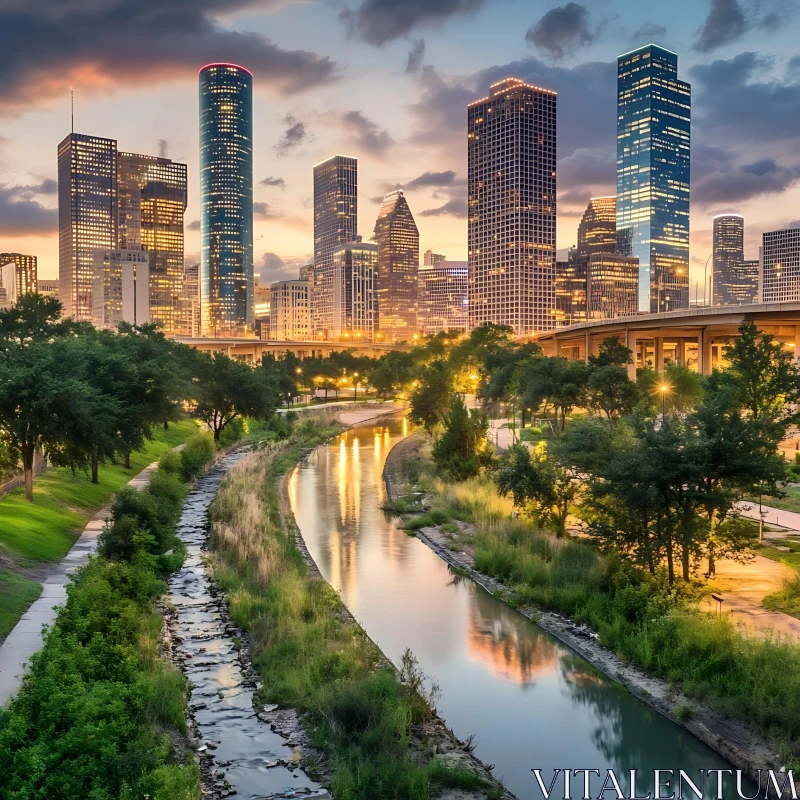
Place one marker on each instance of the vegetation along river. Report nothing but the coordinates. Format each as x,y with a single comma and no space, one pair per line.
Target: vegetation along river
530,700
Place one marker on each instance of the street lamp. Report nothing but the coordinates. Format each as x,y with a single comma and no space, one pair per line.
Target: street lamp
355,386
664,390
706,291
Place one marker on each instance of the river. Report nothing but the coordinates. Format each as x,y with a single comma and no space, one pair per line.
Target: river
531,701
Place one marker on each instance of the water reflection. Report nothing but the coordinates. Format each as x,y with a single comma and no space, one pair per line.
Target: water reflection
531,701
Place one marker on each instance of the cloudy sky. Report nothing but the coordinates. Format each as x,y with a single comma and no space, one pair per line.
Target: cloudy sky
388,81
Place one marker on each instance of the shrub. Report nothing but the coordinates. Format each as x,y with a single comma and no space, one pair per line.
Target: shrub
199,450
232,432
170,462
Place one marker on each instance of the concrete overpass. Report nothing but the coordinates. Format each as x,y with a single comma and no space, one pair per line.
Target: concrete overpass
251,350
695,337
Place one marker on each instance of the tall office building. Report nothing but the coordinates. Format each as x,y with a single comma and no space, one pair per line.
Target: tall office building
597,231
290,311
151,205
443,296
25,273
190,299
430,258
87,216
120,288
612,285
511,152
653,135
781,266
735,281
355,267
226,199
571,307
335,224
398,263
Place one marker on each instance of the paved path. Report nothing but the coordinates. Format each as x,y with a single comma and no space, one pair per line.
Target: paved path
772,516
26,638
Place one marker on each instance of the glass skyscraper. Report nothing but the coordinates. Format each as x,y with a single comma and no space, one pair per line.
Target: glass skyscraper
335,224
87,216
226,199
653,138
511,228
735,280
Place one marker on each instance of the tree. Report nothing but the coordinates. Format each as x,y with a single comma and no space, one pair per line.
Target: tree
610,390
44,395
225,390
430,401
462,449
34,318
540,486
557,381
392,372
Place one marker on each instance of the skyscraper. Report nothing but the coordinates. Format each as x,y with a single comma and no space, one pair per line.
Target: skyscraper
290,311
570,283
511,152
443,296
653,135
152,202
120,288
781,266
226,199
354,298
735,280
25,272
398,263
597,231
612,285
335,224
87,216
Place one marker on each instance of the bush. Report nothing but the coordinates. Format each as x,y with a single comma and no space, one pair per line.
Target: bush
199,450
232,432
170,462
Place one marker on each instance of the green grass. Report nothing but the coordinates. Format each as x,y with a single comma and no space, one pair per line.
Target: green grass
787,600
789,503
46,529
16,594
359,711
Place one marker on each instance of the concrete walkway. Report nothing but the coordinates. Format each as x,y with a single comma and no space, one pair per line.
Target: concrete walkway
26,637
772,516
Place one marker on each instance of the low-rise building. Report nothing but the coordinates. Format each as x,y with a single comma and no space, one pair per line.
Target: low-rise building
290,311
443,295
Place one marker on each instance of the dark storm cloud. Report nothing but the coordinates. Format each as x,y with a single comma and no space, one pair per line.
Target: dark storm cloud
457,207
431,180
738,99
21,215
587,167
724,24
294,135
194,225
368,136
741,183
278,183
649,32
381,21
561,31
102,45
274,268
729,20
415,57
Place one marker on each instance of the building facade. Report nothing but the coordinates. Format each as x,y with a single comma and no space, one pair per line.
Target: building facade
191,299
49,288
121,288
781,266
511,151
25,274
443,296
290,311
355,269
335,224
430,258
597,230
87,216
398,264
735,281
152,195
226,199
571,306
653,139
612,286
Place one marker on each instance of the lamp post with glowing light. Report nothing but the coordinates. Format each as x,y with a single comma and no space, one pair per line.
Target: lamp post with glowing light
355,386
664,389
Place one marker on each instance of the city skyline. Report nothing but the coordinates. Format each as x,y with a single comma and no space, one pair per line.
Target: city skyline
406,125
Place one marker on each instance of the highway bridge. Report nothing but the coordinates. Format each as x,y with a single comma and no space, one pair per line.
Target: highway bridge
695,337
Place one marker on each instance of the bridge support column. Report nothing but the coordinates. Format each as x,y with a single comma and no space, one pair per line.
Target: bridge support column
680,352
630,343
588,347
659,348
704,352
797,344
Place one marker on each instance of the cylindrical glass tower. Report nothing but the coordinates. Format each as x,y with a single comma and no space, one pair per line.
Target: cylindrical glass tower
226,199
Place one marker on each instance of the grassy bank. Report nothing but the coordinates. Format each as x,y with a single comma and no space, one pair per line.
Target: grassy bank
787,599
310,654
100,714
754,681
63,502
16,595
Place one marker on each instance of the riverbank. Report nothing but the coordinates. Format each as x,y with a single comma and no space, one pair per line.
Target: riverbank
370,730
735,742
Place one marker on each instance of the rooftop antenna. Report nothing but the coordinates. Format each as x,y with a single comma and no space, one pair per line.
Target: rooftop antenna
72,108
